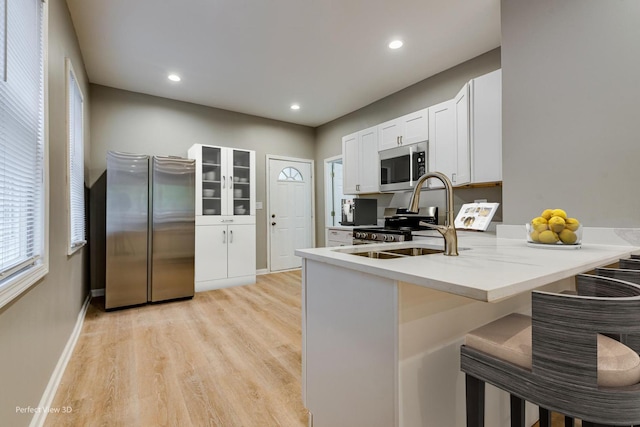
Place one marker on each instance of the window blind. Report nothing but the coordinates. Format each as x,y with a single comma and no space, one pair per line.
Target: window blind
21,136
76,162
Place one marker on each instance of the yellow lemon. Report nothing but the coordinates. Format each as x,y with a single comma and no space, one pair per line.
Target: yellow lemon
547,213
556,224
540,227
559,212
538,220
535,236
568,237
572,224
548,236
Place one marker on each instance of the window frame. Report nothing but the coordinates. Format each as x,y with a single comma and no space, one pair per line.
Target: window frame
73,246
16,285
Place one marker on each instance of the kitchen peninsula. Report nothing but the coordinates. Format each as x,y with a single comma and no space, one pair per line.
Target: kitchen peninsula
381,337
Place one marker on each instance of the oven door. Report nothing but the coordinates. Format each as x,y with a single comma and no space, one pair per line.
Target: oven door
399,166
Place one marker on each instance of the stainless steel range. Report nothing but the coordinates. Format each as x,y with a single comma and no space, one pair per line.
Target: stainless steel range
378,235
398,226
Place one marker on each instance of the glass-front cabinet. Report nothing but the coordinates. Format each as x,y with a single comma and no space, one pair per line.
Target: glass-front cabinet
225,181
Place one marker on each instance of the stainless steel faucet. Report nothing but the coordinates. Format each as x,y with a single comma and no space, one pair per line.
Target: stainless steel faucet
448,231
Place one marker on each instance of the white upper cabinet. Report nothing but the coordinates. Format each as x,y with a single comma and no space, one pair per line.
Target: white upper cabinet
462,173
442,142
360,162
225,184
408,129
486,127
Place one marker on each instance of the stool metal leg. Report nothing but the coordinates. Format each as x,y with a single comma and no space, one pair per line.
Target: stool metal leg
545,417
475,401
517,411
569,422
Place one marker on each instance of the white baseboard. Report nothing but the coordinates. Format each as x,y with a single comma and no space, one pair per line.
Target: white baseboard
50,391
262,271
97,293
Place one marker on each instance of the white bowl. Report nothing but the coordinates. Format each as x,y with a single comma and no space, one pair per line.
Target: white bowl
207,192
209,211
244,180
240,211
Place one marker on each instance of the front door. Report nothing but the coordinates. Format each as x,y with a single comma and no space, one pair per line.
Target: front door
290,213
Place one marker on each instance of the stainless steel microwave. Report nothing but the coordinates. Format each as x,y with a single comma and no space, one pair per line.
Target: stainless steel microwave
401,167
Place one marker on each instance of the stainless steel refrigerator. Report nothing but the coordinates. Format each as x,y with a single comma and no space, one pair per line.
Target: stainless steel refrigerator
150,229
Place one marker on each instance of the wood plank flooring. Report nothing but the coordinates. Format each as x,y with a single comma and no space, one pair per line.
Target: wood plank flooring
229,357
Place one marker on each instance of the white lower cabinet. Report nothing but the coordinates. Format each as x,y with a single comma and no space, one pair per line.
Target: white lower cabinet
339,237
225,256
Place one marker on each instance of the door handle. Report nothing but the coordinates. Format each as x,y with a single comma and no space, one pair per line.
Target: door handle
224,181
230,236
230,181
273,223
224,236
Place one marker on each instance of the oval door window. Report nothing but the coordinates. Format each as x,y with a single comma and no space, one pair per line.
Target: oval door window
290,174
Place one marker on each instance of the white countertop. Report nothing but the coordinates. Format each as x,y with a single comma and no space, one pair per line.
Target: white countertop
487,269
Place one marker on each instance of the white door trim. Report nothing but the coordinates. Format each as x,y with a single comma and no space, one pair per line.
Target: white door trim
327,182
268,158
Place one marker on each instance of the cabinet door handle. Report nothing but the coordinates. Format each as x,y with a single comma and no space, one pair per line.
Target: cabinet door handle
230,181
397,140
400,139
453,177
224,236
230,236
224,181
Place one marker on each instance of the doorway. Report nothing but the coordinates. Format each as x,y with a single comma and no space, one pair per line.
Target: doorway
290,211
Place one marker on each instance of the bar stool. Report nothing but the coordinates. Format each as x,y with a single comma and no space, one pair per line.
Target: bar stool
558,359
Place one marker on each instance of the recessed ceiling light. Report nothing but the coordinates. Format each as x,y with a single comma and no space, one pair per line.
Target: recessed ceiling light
395,44
295,106
174,77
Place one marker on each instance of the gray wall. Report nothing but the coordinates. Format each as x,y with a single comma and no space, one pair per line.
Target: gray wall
35,327
441,87
137,123
570,110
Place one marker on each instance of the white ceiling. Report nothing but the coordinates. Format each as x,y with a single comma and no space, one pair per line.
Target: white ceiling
260,56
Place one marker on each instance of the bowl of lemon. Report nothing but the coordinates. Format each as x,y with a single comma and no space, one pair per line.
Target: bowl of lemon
554,229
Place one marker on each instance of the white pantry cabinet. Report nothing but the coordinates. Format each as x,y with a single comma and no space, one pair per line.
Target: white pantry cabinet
408,129
225,252
360,162
225,256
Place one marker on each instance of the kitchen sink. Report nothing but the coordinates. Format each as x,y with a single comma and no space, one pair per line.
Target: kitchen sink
398,253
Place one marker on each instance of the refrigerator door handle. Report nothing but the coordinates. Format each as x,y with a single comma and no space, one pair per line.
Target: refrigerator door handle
224,236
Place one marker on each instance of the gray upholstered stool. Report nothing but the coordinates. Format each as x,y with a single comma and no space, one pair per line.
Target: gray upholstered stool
558,360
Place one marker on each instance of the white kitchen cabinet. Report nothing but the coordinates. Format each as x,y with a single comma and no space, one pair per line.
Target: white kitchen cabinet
465,133
360,162
486,127
225,183
442,148
225,256
408,129
225,252
339,237
462,172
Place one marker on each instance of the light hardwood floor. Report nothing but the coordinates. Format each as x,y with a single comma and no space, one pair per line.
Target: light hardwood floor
229,357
